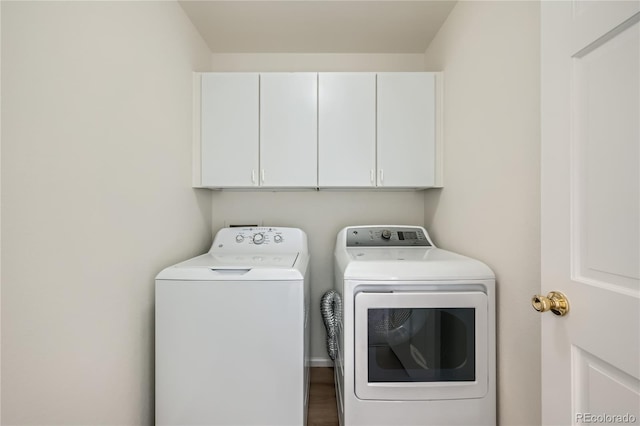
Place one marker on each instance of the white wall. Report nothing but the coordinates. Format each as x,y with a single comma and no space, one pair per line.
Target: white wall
96,199
490,205
0,217
291,62
320,214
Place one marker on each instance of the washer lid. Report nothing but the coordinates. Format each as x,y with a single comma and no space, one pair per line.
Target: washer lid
241,261
239,267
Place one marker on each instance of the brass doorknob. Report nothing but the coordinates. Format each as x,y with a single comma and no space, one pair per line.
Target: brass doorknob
555,302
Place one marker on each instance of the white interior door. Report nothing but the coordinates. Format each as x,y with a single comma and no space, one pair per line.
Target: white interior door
590,211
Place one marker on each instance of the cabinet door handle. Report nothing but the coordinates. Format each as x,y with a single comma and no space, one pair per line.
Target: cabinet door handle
253,176
381,176
262,176
372,176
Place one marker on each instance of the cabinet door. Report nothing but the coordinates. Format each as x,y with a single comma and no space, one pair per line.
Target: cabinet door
229,132
406,129
288,129
346,129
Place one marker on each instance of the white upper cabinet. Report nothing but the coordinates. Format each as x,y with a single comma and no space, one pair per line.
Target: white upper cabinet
310,130
288,130
406,129
229,130
377,130
347,129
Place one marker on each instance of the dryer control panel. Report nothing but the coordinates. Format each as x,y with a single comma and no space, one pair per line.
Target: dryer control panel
387,236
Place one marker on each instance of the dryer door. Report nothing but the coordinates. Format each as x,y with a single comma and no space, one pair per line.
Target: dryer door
421,345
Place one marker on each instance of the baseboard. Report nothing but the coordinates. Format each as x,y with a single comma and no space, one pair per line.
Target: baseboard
320,362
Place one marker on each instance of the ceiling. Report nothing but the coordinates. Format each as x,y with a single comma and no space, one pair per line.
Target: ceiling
317,26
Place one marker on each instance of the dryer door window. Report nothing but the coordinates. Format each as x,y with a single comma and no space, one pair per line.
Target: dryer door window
421,345
429,345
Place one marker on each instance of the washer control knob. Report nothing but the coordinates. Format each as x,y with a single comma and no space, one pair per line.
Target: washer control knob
386,234
239,238
277,238
258,238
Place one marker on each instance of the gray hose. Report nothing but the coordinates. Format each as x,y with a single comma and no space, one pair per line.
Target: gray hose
331,308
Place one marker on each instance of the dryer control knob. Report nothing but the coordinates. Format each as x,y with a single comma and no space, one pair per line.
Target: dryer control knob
277,238
386,234
258,238
239,238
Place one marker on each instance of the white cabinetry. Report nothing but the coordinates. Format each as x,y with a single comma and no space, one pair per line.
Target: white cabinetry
309,130
256,130
229,130
406,129
347,129
288,129
377,130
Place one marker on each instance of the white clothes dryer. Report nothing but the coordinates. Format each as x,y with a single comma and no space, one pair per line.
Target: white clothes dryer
416,341
232,332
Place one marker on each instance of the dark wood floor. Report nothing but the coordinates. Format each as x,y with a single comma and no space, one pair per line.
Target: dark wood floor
322,398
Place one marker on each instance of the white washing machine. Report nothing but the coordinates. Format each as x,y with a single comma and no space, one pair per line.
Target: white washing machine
416,343
231,328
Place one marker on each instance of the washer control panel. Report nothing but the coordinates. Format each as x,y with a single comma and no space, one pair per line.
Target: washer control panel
258,236
387,236
260,239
